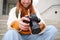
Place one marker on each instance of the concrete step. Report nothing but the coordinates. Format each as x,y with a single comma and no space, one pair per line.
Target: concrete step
3,31
57,37
3,26
4,17
1,36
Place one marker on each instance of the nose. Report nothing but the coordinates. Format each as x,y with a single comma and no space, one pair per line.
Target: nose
26,1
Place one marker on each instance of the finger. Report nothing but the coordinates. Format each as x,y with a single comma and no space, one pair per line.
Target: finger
23,27
24,18
25,24
26,27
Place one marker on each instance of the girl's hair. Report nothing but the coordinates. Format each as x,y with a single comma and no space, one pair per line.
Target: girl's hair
24,11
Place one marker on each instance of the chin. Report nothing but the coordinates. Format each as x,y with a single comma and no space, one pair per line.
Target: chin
25,6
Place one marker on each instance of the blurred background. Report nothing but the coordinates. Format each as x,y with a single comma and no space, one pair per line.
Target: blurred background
48,9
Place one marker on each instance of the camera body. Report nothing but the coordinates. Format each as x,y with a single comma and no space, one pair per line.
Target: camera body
34,20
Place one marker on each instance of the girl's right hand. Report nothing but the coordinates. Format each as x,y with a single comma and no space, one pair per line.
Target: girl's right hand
22,25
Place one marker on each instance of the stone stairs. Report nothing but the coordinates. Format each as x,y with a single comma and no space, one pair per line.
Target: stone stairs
3,26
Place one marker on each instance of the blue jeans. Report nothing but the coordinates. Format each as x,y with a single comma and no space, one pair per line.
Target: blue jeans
49,34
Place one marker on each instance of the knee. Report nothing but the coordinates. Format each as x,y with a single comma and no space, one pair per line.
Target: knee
11,32
11,35
52,29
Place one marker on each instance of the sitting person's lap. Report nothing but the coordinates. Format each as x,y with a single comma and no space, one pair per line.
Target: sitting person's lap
49,34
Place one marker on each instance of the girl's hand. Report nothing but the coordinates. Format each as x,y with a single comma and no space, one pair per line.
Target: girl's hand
22,25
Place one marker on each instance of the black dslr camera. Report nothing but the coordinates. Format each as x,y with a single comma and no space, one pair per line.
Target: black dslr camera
34,20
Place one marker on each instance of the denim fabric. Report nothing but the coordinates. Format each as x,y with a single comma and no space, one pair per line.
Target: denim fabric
49,34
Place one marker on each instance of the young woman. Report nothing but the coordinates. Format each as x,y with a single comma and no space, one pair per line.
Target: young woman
18,30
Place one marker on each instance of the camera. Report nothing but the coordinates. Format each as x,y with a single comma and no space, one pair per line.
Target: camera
34,20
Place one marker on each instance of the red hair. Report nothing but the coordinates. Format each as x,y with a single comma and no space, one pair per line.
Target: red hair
23,10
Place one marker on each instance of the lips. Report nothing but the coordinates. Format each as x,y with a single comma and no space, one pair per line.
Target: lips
25,3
